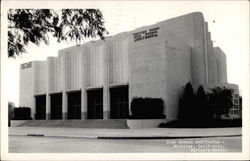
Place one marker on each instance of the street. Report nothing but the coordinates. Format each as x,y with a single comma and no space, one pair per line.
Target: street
35,144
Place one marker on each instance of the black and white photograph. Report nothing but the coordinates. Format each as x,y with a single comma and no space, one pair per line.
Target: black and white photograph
124,80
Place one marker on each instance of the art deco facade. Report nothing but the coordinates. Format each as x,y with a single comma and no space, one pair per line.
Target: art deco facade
98,80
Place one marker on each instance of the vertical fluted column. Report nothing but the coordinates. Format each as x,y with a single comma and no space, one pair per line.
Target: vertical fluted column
64,84
34,89
83,85
64,105
106,106
48,80
33,114
47,106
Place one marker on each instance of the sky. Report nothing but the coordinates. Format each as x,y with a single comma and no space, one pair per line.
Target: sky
228,22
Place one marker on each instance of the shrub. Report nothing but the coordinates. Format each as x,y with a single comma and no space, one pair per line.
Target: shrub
147,108
203,110
187,110
202,106
221,100
22,113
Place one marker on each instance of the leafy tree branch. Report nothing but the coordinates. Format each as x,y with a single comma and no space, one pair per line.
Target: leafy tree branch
27,26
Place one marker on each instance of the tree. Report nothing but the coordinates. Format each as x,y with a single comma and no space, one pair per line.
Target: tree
11,107
27,26
202,106
187,106
221,100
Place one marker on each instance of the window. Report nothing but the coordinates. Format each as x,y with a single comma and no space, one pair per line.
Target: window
236,101
236,96
236,107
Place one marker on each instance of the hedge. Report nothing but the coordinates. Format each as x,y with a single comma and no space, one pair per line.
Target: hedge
147,108
22,113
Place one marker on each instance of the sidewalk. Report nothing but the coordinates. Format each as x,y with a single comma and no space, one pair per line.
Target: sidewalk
153,133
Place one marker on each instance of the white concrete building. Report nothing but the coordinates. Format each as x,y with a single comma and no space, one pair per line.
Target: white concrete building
98,80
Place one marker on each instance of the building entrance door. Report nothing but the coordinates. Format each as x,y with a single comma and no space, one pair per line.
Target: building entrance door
74,105
40,107
119,102
95,104
56,106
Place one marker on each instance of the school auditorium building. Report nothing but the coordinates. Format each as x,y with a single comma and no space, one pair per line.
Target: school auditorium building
97,80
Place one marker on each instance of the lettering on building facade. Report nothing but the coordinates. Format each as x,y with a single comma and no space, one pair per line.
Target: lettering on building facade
146,34
26,65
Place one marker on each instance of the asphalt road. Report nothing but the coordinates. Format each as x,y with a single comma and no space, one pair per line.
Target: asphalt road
35,144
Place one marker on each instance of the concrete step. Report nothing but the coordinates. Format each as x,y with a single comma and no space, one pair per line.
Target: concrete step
91,123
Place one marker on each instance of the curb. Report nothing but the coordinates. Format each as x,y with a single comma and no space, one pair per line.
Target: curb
125,137
162,137
58,136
